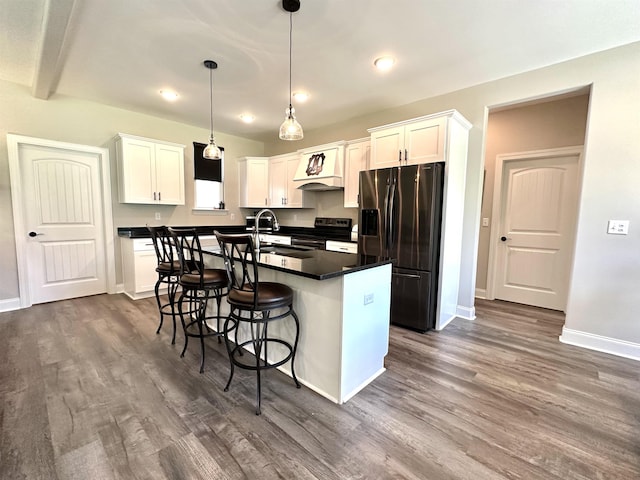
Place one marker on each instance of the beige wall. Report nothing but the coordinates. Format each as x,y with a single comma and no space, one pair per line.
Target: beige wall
559,123
606,273
603,292
77,121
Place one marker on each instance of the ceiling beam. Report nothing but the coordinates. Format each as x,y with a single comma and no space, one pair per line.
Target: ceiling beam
56,24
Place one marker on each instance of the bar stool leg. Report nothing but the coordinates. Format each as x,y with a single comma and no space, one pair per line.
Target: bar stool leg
229,350
295,347
184,325
173,288
157,292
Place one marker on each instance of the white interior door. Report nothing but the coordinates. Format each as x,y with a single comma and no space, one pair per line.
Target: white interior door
64,223
538,207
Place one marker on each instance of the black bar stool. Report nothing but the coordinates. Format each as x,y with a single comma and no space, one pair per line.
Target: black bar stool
199,284
252,304
168,271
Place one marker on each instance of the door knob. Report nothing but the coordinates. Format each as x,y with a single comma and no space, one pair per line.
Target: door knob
504,239
34,234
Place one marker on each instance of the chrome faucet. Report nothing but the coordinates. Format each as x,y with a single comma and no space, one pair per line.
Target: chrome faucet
256,226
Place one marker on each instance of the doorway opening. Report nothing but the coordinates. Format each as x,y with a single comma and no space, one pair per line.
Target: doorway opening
533,171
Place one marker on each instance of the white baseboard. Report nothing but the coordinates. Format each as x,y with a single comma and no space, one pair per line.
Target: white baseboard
10,304
468,313
599,343
481,293
120,288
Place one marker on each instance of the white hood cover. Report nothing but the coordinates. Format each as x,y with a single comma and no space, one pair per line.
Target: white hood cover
321,169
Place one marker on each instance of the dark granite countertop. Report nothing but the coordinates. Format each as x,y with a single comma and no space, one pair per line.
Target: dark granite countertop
142,232
316,264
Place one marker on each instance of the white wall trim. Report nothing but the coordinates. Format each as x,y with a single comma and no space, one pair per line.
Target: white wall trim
10,304
468,313
497,201
442,325
599,343
15,173
481,293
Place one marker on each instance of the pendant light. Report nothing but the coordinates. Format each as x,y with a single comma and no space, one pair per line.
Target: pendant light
290,128
211,151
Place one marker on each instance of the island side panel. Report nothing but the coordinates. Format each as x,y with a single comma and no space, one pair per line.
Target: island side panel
318,304
365,332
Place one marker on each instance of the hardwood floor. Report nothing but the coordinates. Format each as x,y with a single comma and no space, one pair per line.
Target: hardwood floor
89,391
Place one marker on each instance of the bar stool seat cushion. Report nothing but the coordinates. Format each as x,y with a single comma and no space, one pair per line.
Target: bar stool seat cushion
270,295
166,267
211,277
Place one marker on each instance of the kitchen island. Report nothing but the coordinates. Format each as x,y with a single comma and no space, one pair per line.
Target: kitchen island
343,302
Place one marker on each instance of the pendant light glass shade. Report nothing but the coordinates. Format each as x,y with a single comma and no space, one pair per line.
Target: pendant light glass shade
290,128
211,151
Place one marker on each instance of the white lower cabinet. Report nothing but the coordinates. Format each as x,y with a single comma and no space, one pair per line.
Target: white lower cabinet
344,247
139,263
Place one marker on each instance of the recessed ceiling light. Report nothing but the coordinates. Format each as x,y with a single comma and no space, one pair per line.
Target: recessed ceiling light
247,118
169,95
384,63
301,97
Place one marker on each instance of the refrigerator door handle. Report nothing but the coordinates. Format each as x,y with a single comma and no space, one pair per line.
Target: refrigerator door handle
385,245
390,218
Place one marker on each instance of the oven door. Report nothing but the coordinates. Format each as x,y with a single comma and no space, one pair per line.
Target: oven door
311,243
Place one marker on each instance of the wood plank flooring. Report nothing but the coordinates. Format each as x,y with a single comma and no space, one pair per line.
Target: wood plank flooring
89,391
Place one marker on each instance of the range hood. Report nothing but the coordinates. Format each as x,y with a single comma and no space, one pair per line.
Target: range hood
321,168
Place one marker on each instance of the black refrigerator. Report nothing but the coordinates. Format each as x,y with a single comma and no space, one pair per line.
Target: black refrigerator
400,217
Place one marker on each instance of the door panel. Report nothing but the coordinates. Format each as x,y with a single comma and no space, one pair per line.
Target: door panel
539,202
416,233
412,299
372,237
67,255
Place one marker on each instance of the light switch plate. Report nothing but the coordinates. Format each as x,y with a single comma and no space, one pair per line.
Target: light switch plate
618,227
485,222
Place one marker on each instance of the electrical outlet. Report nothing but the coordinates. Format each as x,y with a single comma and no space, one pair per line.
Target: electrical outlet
368,298
485,222
618,227
158,216
232,216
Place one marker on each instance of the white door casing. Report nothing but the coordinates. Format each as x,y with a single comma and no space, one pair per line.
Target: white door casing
62,193
532,240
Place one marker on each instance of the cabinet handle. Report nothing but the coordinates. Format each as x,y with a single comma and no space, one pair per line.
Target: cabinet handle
406,156
154,196
399,156
159,196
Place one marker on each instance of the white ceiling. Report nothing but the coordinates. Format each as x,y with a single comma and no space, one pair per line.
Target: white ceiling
122,52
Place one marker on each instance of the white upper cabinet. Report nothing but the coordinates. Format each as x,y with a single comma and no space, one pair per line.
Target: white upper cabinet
283,191
149,171
253,175
421,140
356,159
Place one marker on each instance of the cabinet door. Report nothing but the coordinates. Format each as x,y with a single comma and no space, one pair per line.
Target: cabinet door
424,141
169,167
145,271
356,160
254,182
295,197
278,182
136,170
386,147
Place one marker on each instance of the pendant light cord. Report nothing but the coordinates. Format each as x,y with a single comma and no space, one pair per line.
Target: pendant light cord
211,99
290,34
